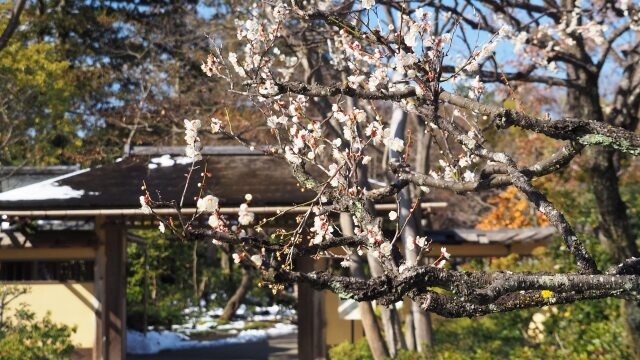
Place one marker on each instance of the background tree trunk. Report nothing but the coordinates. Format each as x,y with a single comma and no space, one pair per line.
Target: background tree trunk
617,233
421,320
367,315
235,300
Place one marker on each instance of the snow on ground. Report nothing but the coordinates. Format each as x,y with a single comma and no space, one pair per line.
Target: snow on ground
155,341
199,321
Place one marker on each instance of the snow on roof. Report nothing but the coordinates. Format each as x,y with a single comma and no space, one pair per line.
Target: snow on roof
168,160
233,173
45,190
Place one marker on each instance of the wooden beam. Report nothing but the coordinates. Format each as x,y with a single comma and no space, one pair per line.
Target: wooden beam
470,249
65,253
187,211
489,250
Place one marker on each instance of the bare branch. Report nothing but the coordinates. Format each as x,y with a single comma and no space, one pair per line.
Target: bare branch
14,21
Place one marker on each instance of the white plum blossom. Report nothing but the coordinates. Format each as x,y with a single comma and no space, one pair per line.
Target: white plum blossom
292,157
393,215
444,253
268,88
477,88
346,262
216,125
412,34
208,203
519,42
374,234
237,257
359,115
161,227
375,131
464,161
469,176
385,248
339,156
368,4
404,60
233,59
194,145
146,209
335,177
256,259
214,221
211,66
377,79
321,229
280,12
274,121
252,29
355,80
394,143
421,241
244,216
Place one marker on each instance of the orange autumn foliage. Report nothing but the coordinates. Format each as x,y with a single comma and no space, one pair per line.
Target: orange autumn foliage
511,211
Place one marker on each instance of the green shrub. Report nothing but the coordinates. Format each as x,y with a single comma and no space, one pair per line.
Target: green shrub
360,351
348,351
410,355
25,337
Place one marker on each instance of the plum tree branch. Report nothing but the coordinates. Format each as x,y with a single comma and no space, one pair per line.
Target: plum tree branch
584,132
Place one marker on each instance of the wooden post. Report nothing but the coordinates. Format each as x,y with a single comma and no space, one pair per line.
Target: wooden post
311,318
99,350
110,278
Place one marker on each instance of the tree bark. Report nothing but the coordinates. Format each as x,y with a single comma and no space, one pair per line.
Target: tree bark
618,236
368,317
235,300
421,319
391,322
389,315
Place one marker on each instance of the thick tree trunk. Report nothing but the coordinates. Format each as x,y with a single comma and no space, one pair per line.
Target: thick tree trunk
617,233
390,317
391,322
235,300
367,315
421,319
409,331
